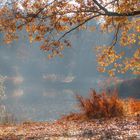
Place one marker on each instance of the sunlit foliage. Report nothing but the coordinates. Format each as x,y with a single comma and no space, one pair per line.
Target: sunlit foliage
49,22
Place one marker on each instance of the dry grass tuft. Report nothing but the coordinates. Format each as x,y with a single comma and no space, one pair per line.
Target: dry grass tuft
101,105
7,118
74,117
104,105
133,106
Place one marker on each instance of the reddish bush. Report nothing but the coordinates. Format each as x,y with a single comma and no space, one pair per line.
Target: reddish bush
101,105
133,106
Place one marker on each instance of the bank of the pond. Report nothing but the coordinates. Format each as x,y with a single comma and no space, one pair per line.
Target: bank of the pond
116,128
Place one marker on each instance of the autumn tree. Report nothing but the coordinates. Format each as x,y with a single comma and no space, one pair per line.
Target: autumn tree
50,21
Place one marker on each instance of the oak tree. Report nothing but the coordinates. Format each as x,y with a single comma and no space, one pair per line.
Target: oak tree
50,21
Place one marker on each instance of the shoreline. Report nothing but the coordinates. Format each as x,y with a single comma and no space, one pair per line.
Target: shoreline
123,128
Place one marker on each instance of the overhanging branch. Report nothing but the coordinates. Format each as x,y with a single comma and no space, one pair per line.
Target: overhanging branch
82,23
109,13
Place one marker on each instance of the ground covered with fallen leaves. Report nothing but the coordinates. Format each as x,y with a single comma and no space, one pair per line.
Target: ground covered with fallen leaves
126,128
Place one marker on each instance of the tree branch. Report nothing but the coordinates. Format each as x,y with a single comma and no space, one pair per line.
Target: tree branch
109,13
100,6
116,35
77,26
115,14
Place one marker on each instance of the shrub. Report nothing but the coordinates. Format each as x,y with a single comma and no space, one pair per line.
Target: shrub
104,105
101,105
133,106
6,117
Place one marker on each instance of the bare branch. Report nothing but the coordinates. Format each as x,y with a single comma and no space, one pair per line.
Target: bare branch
116,35
100,6
77,26
109,13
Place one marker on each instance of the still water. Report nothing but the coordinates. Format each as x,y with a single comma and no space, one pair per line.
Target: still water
40,89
